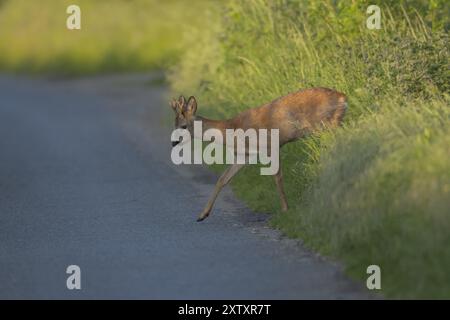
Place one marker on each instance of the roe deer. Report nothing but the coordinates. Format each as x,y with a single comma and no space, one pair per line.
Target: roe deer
294,115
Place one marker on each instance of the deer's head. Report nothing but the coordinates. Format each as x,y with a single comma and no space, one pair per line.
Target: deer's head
184,114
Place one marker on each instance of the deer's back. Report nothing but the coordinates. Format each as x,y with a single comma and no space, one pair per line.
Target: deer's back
296,114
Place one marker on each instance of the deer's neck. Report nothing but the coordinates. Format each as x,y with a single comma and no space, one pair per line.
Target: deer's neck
220,125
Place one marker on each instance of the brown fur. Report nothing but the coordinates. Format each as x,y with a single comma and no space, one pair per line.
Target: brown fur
295,114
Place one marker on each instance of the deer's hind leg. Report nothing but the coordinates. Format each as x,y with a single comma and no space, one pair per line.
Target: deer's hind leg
279,182
226,176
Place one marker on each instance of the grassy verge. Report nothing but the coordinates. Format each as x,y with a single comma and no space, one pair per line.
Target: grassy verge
377,190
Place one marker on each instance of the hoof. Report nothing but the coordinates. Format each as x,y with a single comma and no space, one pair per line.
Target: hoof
202,217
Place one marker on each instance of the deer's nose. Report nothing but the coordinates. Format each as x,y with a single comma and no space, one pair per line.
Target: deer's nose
183,127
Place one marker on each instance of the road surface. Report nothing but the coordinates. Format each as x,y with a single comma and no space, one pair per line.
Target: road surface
86,179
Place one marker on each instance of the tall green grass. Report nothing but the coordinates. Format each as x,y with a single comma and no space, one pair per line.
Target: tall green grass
377,190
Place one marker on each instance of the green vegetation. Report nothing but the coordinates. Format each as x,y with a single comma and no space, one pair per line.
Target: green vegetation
377,190
116,35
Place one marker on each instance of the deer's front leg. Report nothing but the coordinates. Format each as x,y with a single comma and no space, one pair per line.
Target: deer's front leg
279,182
223,181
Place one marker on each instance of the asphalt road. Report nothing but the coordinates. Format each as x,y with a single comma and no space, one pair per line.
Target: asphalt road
86,179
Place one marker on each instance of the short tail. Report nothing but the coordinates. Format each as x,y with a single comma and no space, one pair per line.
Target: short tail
339,112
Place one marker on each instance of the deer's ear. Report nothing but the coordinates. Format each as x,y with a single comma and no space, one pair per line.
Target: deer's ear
191,106
173,105
181,101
